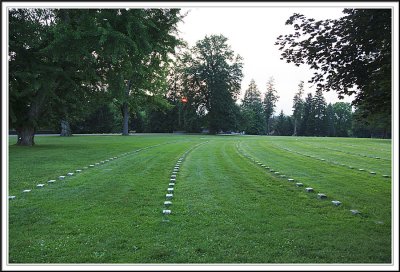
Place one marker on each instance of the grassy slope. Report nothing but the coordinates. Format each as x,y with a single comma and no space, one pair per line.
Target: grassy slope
226,209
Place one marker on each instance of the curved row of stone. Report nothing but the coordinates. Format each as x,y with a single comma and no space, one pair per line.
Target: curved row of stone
329,161
347,152
172,181
77,171
297,184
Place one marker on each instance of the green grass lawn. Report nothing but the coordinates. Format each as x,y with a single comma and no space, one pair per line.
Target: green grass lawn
226,208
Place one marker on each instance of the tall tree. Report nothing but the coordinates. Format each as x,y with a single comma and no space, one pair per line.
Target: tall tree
252,110
41,82
330,116
298,107
269,102
350,55
307,127
320,114
216,72
283,125
342,118
135,47
70,55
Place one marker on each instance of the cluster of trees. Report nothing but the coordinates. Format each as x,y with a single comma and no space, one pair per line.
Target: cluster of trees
350,55
113,70
65,62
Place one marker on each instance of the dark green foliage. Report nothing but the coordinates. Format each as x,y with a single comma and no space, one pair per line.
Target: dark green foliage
214,74
252,110
349,53
62,59
342,119
283,125
320,114
269,102
104,119
298,107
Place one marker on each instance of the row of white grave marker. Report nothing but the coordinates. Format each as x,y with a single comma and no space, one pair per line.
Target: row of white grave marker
297,184
331,162
356,154
171,185
69,174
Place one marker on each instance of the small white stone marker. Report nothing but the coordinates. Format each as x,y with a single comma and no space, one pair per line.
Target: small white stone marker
107,160
385,176
361,169
173,176
283,176
97,163
61,177
51,181
169,195
171,184
262,165
271,170
40,185
174,173
70,174
372,173
92,165
26,191
321,196
322,159
167,203
85,167
276,172
166,211
172,180
115,157
354,212
11,197
170,190
377,158
266,167
102,161
290,179
309,189
176,169
299,184
351,167
336,202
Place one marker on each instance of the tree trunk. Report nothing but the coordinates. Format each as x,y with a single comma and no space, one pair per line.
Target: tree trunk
26,136
295,128
125,113
125,110
65,128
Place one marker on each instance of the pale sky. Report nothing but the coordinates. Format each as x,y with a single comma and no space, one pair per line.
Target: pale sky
251,33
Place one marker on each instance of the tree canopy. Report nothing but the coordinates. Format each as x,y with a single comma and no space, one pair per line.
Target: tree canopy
350,55
60,59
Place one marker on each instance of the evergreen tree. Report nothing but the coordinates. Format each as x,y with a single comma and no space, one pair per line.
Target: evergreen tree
269,102
307,127
252,110
298,107
320,114
330,116
283,125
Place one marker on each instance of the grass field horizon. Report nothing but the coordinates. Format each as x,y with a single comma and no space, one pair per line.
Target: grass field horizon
232,200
